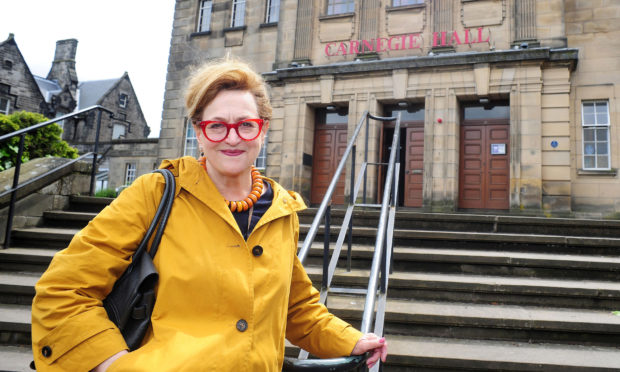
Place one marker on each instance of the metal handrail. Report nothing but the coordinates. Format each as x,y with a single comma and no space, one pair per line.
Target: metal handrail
22,133
382,253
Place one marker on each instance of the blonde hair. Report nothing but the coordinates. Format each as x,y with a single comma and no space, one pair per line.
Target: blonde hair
215,76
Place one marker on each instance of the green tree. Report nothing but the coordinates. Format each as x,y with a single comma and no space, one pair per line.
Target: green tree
43,142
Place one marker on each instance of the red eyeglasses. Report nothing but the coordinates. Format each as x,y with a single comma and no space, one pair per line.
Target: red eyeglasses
217,131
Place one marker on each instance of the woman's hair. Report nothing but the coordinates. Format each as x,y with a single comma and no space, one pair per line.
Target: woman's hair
215,76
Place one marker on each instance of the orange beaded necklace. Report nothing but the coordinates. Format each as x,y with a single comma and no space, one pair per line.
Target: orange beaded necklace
255,194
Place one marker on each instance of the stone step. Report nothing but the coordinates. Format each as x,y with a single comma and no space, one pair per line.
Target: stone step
437,353
15,358
478,240
15,324
88,203
26,259
481,321
493,262
68,219
17,287
43,237
486,288
478,222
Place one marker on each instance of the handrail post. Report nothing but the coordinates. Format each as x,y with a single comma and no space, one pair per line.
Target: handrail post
326,247
18,165
93,171
366,156
352,201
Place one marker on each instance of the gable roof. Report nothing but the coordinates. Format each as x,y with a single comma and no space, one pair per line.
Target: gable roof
90,92
47,87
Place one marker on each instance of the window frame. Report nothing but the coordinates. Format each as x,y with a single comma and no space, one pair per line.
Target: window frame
262,155
130,173
331,6
595,127
238,7
123,100
6,110
114,130
190,144
272,12
201,14
398,3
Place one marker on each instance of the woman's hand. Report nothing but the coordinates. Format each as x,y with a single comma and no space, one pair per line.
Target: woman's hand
370,342
106,363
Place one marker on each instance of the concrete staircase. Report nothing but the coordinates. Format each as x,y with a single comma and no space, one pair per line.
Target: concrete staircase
468,292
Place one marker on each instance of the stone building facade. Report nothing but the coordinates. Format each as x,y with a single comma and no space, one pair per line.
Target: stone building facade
505,104
61,93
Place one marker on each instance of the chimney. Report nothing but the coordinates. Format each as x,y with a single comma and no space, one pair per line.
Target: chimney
63,66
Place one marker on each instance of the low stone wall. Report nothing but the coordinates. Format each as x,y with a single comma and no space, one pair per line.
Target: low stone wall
48,193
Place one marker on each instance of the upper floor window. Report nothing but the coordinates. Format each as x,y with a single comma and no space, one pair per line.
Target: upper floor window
261,160
340,6
122,100
595,123
238,13
204,21
406,2
8,64
273,11
118,131
191,142
5,106
130,173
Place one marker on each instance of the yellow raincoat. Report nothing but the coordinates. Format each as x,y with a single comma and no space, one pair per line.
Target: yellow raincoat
210,283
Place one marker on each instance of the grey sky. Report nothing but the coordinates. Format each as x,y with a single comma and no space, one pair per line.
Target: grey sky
113,36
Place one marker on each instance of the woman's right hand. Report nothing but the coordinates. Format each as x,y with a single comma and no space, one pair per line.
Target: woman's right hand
106,363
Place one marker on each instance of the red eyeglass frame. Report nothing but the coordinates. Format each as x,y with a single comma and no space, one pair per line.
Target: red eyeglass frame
235,126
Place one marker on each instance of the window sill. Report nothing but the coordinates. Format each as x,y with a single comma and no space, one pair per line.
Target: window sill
198,34
267,25
238,28
336,16
598,172
404,7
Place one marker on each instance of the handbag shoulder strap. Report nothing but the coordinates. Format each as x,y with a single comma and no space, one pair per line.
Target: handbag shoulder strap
161,216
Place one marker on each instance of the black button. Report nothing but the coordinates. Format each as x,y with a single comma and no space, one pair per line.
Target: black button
46,351
242,325
257,250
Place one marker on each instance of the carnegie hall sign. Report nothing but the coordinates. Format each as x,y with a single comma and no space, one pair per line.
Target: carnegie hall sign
408,41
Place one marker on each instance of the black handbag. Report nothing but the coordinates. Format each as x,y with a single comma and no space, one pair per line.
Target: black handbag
130,303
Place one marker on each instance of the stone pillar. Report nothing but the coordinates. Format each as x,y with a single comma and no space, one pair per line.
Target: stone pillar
369,22
442,19
524,20
556,157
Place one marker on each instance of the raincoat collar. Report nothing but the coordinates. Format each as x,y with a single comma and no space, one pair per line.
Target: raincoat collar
192,178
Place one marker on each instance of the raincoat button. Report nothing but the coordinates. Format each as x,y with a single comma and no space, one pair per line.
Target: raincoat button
242,325
46,351
257,250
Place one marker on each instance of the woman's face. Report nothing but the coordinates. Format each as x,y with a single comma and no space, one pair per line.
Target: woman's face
233,156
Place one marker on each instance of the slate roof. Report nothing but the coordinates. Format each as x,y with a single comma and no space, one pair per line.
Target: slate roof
89,92
47,87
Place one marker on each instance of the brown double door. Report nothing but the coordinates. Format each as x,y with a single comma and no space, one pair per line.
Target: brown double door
414,166
330,143
484,174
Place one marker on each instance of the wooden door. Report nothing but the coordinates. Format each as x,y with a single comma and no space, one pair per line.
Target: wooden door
484,172
414,166
329,146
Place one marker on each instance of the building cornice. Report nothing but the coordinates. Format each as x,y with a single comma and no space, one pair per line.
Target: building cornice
564,56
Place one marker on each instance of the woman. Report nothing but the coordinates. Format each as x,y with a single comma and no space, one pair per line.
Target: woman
230,288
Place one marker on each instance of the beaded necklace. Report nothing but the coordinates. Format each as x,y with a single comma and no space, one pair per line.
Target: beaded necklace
255,194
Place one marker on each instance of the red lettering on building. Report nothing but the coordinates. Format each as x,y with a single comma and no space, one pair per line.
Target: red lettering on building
380,45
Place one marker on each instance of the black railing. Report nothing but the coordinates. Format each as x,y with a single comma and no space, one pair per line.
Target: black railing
22,133
382,257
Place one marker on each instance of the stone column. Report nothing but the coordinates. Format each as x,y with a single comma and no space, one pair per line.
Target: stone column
369,22
524,20
303,31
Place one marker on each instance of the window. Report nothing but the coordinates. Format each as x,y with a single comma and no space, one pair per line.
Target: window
595,122
5,105
191,142
238,13
122,116
8,64
204,21
261,160
406,2
340,6
118,131
273,11
122,100
130,173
